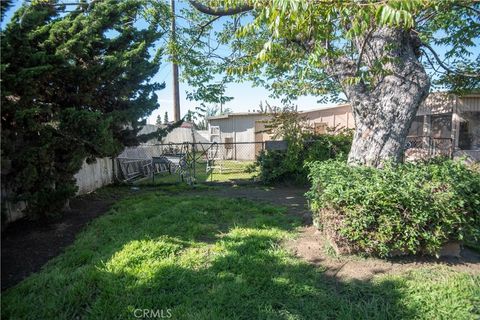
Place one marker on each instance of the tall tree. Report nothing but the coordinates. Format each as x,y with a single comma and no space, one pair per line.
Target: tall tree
159,122
165,117
4,6
74,86
379,54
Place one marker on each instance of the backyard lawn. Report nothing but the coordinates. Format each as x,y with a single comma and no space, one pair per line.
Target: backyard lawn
202,257
222,171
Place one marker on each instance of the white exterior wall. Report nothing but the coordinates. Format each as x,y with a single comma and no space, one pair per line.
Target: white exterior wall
241,128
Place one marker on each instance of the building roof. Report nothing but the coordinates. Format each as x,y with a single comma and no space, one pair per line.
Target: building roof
226,116
240,114
329,107
334,106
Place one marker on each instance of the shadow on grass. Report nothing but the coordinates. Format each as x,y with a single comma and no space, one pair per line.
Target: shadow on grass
201,258
250,283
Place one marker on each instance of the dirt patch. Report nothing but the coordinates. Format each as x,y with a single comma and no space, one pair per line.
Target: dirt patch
310,246
27,245
292,197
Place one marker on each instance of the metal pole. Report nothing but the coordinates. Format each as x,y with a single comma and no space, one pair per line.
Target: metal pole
176,91
194,163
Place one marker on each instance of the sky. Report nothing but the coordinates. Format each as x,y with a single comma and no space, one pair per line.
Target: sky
246,97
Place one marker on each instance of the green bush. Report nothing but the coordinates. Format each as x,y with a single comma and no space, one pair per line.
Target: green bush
411,208
288,165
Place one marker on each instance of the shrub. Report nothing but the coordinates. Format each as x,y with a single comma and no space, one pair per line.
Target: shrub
400,209
277,166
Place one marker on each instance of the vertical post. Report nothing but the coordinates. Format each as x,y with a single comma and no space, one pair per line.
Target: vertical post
176,92
427,131
194,163
455,125
234,139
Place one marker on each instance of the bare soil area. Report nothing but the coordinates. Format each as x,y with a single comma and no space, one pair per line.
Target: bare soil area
28,244
311,246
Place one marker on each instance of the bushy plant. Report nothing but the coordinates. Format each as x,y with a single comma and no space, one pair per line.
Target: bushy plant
411,208
289,165
302,145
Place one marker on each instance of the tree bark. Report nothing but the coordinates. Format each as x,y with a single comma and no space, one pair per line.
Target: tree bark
384,109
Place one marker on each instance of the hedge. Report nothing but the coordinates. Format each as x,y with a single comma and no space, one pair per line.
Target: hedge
412,208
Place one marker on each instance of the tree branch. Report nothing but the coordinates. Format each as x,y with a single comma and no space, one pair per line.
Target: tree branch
469,8
220,11
201,31
362,49
447,68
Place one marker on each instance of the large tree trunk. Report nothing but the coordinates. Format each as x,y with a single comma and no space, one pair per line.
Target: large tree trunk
384,109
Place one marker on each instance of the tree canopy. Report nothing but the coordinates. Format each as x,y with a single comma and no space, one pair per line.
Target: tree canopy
380,54
295,47
75,85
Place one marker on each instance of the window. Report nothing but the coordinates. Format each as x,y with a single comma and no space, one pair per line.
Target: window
416,129
228,143
214,130
441,125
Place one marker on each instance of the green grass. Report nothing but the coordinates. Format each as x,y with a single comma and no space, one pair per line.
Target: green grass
230,170
225,170
215,258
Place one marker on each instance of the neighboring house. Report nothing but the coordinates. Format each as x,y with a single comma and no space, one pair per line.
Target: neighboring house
147,129
337,116
184,134
235,133
445,124
450,118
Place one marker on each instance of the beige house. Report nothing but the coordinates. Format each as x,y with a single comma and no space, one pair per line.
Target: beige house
236,133
445,123
338,116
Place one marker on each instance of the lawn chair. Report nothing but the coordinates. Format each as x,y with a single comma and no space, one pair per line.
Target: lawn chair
174,161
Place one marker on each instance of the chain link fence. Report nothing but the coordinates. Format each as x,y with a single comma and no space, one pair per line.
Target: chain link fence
222,162
189,162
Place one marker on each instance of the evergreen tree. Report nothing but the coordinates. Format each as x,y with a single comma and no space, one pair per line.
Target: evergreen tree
74,86
4,6
158,122
165,118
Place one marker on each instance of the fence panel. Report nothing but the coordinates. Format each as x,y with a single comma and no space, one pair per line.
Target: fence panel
189,162
426,147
